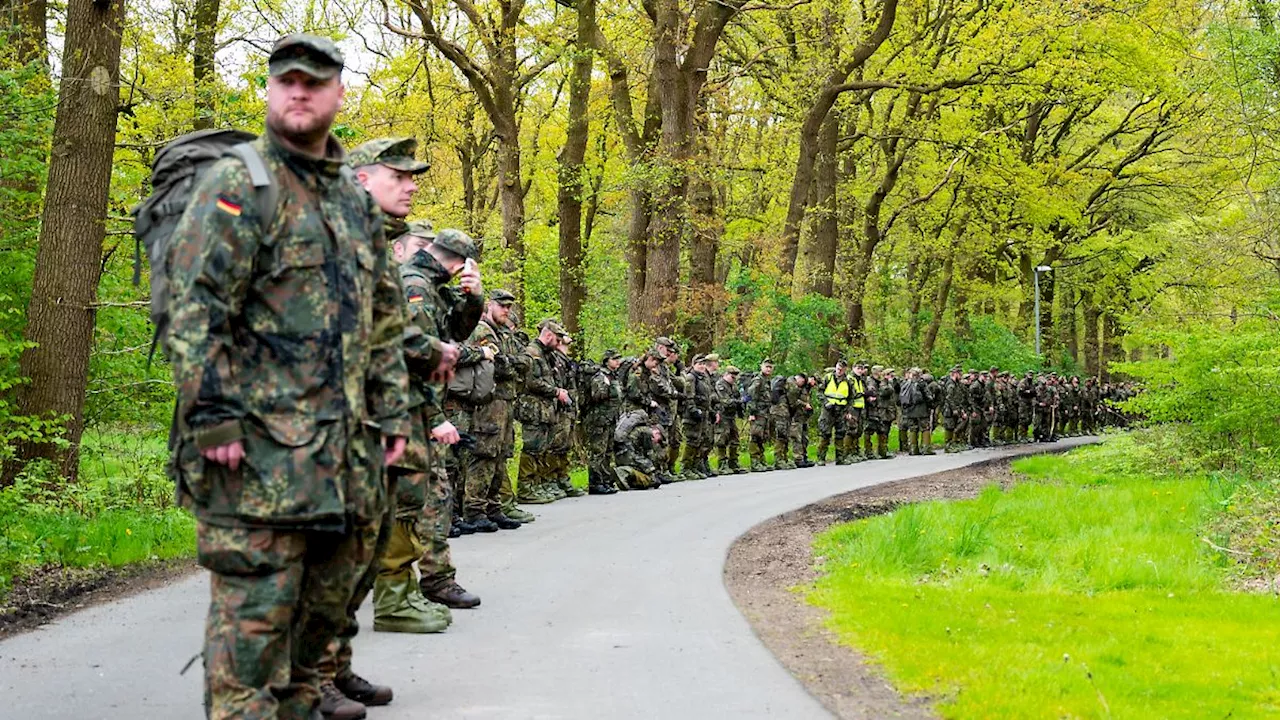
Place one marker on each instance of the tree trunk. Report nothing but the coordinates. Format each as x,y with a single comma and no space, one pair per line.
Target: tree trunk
1048,340
24,26
820,255
1091,343
703,302
1112,348
511,200
573,289
939,305
1067,336
812,125
202,63
69,262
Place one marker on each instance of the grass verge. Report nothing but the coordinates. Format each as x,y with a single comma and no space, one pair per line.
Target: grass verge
120,512
1086,591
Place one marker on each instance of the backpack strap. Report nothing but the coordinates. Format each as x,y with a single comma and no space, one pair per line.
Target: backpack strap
263,181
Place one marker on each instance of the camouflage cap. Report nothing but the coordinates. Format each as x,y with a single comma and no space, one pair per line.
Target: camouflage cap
610,354
422,229
731,370
551,325
877,368
767,361
314,55
842,363
864,363
957,368
712,357
456,242
396,153
698,359
665,342
502,297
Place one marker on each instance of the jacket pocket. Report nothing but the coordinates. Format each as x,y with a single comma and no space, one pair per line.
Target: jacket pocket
292,472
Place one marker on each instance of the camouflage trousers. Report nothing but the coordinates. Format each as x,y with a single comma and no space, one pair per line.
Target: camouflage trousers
837,421
799,437
486,468
728,443
673,434
336,662
436,564
760,432
781,438
278,598
535,458
598,440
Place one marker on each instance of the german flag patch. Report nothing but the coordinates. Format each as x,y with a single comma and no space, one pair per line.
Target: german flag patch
415,295
228,207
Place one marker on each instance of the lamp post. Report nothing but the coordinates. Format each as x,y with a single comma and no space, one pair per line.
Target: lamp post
1039,269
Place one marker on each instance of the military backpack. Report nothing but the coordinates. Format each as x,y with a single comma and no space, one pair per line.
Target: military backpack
175,174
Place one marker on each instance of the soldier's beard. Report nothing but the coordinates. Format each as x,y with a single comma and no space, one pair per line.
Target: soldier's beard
306,131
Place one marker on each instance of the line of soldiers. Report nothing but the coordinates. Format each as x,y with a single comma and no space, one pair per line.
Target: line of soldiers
632,416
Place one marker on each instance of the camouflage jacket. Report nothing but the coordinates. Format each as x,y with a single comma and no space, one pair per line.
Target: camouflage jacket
290,340
602,399
511,364
761,394
728,399
699,396
442,311
537,405
955,399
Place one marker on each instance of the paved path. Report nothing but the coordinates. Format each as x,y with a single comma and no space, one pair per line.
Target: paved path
604,608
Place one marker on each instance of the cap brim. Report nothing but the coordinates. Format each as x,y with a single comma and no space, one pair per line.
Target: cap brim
405,164
323,71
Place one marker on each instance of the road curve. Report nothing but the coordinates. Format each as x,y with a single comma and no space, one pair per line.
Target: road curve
606,607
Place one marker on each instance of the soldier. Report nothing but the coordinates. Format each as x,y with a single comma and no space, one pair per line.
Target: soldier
1026,406
282,460
673,370
854,451
478,386
1046,399
955,411
637,447
728,440
602,406
759,402
536,409
890,411
564,430
933,396
782,397
387,169
800,398
699,416
913,398
453,312
836,413
510,365
1089,406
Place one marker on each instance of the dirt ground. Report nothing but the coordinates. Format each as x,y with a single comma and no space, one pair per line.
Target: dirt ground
49,593
767,563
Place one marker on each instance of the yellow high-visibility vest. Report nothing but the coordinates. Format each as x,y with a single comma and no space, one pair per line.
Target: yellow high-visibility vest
837,391
859,389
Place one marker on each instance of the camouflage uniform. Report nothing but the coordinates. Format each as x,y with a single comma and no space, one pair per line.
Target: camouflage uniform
728,440
758,405
801,413
564,427
603,406
536,411
835,417
1026,407
784,397
955,413
291,344
485,467
636,455
699,415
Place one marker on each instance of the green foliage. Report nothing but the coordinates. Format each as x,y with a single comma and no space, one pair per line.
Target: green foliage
1222,379
1085,591
795,334
989,344
120,512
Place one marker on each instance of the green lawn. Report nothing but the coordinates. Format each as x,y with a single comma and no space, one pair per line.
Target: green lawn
1084,592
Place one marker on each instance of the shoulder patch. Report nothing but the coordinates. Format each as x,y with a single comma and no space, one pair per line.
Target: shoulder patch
414,294
231,208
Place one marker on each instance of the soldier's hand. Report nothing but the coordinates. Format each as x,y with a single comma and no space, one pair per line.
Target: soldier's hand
448,360
445,434
230,454
469,279
751,418
489,352
393,448
562,395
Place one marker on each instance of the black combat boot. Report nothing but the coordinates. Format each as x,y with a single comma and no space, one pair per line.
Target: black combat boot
363,691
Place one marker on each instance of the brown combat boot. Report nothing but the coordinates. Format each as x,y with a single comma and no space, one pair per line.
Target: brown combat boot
452,595
364,692
336,706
